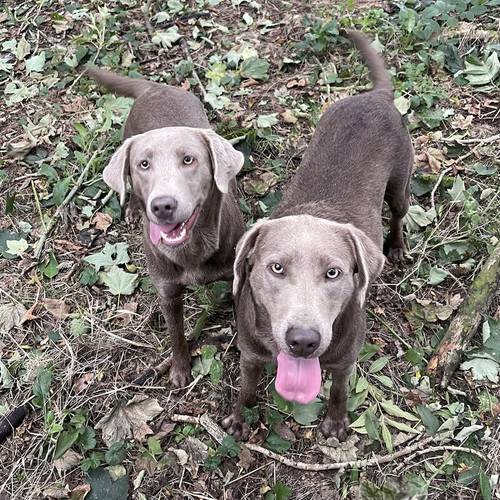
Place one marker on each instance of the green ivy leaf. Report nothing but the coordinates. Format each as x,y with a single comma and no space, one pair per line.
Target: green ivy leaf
266,121
436,275
116,453
49,269
119,282
275,442
110,255
35,64
254,68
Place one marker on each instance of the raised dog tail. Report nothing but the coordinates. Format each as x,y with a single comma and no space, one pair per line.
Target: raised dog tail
376,65
118,84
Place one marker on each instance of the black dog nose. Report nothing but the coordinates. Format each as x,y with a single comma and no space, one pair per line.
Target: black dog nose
302,342
163,207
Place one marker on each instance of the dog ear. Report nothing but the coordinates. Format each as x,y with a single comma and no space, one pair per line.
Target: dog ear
244,250
226,160
116,171
369,261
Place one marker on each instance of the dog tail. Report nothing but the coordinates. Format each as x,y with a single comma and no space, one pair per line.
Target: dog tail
376,66
118,84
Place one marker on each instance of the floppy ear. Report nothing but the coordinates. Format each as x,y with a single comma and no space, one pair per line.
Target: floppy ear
369,260
226,160
244,250
116,171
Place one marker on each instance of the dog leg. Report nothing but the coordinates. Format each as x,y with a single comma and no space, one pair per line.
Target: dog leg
235,424
171,305
336,422
398,199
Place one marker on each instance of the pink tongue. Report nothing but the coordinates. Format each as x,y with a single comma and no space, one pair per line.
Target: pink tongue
298,379
156,229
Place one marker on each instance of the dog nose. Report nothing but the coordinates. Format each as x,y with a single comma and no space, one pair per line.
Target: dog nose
163,207
302,342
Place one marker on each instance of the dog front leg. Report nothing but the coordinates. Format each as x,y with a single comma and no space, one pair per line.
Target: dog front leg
171,305
336,422
235,424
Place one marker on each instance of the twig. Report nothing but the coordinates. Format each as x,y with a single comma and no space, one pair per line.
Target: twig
52,222
484,140
436,186
218,435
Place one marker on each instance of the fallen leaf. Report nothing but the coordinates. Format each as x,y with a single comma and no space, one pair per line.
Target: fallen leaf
126,314
246,459
289,116
182,456
80,492
284,431
435,158
340,452
56,491
102,221
129,419
57,307
11,315
69,460
296,83
29,315
82,383
166,428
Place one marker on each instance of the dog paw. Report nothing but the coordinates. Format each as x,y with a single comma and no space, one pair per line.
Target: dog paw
180,375
236,426
335,428
395,255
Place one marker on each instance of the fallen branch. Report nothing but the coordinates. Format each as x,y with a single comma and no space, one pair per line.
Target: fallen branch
39,246
156,372
447,356
417,449
484,140
11,421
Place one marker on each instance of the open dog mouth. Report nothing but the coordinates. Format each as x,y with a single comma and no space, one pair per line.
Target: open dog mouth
172,234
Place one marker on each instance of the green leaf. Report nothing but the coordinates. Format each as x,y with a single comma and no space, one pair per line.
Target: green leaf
154,446
216,370
395,411
166,38
116,453
119,282
88,276
386,436
400,426
104,488
35,63
41,386
79,327
87,438
280,491
356,400
482,73
307,414
65,441
430,421
417,217
16,248
385,380
361,384
368,351
484,483
60,190
371,423
110,255
378,364
482,369
49,269
436,275
8,236
275,442
6,379
402,104
483,169
266,121
254,68
229,447
457,191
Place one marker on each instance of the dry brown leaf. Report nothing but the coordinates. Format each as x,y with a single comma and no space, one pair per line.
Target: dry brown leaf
57,307
129,419
56,491
461,122
284,431
166,428
80,492
29,315
126,315
296,83
146,464
246,459
82,383
102,221
435,158
289,116
69,460
185,85
11,315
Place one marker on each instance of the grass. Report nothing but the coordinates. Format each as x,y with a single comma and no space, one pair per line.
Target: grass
269,69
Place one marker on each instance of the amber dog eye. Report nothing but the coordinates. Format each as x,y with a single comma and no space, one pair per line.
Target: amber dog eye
333,273
144,164
188,160
277,268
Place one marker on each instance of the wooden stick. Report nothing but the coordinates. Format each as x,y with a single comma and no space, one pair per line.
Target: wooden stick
447,356
418,449
52,222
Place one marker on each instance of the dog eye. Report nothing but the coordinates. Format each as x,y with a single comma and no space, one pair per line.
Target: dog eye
144,164
188,160
333,273
277,268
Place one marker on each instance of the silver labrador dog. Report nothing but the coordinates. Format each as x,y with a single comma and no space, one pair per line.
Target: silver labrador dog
301,278
182,177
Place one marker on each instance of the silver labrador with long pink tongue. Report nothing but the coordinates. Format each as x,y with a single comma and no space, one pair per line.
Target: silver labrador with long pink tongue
182,178
301,278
